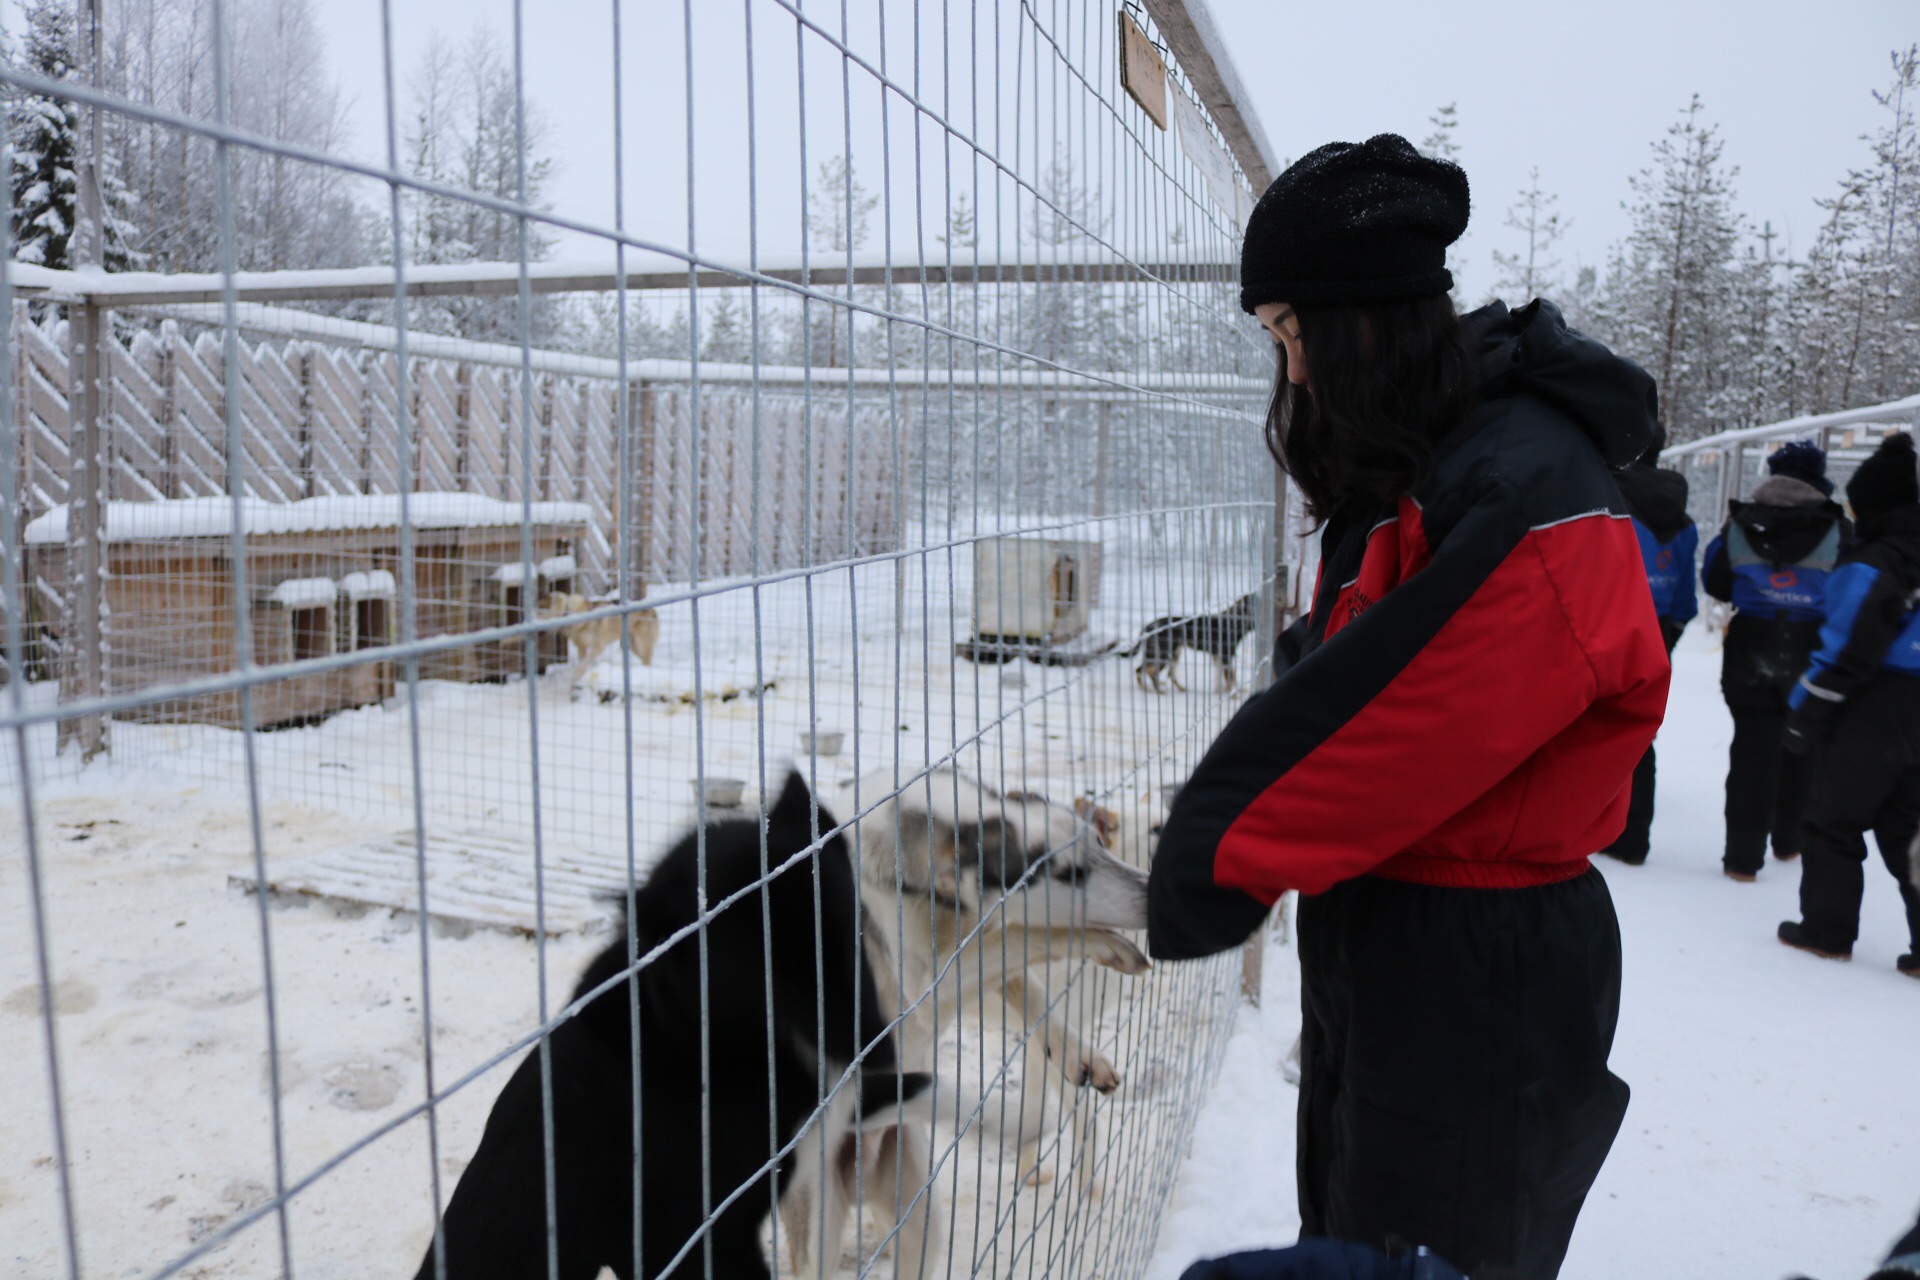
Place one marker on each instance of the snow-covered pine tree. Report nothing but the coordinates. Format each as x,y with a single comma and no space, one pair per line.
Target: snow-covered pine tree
963,227
46,161
1442,144
1876,237
1669,298
1532,271
46,154
723,335
286,214
461,133
839,209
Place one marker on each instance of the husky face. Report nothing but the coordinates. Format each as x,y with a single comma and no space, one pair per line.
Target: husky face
970,847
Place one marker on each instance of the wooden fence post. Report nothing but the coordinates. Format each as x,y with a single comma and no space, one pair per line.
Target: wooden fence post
83,631
1102,457
636,496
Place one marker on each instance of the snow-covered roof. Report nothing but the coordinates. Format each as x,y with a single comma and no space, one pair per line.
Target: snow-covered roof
514,572
213,517
305,593
376,584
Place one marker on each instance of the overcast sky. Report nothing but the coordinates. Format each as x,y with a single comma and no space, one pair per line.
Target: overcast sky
1578,89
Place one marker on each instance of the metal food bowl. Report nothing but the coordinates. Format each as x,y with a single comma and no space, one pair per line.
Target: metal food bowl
823,742
722,793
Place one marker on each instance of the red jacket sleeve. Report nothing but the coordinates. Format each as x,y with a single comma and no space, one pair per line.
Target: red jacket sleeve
1490,707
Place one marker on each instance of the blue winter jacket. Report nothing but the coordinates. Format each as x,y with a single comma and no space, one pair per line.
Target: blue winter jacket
1873,622
1670,571
1767,589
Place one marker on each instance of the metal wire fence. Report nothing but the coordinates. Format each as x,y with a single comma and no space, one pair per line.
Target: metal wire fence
363,677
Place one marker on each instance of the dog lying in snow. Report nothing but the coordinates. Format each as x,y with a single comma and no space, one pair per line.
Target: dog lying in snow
495,1226
967,890
595,636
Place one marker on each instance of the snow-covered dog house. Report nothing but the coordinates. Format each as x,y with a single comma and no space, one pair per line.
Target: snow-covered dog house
1034,589
323,579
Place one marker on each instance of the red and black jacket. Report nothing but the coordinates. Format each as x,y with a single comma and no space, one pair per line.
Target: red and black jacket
1480,673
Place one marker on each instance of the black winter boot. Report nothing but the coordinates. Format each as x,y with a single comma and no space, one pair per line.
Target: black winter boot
1795,935
1909,964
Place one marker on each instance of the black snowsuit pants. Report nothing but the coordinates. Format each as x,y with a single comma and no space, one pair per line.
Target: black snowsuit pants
1454,1090
1766,785
1866,778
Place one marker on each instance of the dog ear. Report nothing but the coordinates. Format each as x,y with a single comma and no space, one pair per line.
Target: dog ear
1105,822
795,803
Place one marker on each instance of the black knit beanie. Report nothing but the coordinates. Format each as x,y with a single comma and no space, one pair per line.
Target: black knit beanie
1885,481
1354,222
1801,460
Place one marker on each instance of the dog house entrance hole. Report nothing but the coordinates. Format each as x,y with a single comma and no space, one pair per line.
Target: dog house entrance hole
311,629
370,623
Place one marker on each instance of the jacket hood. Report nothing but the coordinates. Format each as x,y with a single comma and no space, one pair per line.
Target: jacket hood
1656,498
1899,529
1785,533
1533,352
1785,491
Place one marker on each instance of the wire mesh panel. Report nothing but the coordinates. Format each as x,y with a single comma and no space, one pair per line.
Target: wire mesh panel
632,746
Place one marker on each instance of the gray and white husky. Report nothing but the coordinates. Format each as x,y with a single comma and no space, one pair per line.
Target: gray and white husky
968,891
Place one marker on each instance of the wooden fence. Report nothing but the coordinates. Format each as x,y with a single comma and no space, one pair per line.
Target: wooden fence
317,419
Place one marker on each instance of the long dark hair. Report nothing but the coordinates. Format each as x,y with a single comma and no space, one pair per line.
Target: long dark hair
1386,381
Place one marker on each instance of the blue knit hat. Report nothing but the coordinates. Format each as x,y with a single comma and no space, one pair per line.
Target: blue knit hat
1801,460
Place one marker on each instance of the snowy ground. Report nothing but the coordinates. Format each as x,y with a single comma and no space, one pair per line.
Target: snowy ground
162,1010
1775,1122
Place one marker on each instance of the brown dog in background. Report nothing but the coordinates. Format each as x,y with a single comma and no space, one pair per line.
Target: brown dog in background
593,637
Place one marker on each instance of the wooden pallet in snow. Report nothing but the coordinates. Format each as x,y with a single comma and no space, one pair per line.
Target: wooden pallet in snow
474,878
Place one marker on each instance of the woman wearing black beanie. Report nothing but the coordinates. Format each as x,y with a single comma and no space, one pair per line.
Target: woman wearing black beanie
1481,670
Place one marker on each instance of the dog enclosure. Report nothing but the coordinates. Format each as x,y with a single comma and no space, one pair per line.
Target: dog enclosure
308,841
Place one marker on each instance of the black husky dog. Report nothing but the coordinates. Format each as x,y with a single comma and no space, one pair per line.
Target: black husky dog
496,1224
1218,634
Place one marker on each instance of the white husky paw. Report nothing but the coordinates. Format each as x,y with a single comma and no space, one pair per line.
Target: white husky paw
1099,1073
1115,952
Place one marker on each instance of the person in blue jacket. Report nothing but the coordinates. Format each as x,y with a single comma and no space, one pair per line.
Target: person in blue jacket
1657,501
1771,562
1857,710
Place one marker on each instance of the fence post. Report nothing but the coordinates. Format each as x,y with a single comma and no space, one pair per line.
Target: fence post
636,493
1102,457
82,640
463,427
1731,460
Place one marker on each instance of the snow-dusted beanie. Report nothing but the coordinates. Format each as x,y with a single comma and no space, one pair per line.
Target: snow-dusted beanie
1885,481
1354,222
1802,460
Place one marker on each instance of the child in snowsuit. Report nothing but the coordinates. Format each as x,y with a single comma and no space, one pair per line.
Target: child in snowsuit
1657,500
1771,561
1858,710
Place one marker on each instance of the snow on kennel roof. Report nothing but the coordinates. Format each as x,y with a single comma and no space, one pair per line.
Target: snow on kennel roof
514,572
213,517
373,584
304,593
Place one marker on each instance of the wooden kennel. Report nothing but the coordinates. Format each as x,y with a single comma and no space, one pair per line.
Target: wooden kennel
1034,589
322,579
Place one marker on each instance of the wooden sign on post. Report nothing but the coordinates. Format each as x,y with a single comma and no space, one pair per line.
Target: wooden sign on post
1142,72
